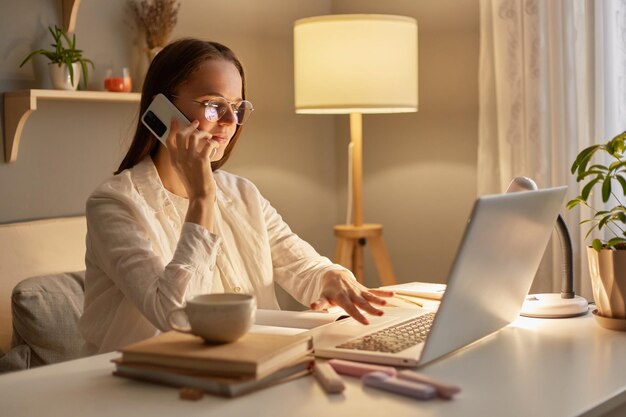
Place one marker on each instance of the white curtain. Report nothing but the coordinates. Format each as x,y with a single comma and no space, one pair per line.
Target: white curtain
552,81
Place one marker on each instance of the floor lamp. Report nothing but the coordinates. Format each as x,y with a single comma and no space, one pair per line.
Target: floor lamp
356,64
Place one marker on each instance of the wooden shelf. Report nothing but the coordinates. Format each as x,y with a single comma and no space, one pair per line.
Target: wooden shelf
69,8
18,106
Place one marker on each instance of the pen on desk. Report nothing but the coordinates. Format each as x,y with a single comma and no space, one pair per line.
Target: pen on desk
444,390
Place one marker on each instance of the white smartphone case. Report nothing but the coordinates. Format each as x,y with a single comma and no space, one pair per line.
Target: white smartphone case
158,116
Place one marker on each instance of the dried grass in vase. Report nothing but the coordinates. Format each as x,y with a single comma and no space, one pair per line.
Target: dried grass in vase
156,18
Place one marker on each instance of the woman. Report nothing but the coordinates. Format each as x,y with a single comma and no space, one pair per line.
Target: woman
171,224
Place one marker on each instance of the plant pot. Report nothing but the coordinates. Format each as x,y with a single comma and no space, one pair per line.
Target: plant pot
60,76
608,281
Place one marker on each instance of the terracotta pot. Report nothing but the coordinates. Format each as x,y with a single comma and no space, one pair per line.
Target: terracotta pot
608,281
60,76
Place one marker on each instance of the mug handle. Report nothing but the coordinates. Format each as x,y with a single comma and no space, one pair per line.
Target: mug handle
176,326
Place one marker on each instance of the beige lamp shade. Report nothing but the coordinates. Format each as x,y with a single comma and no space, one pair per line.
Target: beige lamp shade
361,63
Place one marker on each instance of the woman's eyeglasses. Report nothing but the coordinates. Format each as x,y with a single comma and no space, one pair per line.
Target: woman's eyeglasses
216,107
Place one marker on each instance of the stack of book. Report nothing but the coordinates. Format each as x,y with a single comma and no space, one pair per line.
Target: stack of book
253,362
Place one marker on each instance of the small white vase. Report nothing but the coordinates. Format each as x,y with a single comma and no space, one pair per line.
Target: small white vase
60,76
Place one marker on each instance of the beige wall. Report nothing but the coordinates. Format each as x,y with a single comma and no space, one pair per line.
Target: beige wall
419,168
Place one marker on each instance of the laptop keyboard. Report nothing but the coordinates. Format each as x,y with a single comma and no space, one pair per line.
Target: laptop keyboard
394,339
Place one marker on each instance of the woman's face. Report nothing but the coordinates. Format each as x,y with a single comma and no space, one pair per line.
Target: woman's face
213,79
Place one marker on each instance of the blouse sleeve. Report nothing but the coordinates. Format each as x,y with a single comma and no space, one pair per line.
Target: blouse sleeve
298,268
123,246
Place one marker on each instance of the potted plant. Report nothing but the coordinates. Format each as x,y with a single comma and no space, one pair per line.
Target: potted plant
607,257
66,62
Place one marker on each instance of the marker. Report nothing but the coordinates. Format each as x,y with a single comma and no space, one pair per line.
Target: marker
328,378
385,382
444,390
359,369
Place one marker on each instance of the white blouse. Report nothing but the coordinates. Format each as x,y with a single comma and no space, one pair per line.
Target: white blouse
143,260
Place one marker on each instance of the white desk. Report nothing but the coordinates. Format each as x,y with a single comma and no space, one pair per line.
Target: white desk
551,368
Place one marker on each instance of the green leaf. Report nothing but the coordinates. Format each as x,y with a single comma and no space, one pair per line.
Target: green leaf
618,218
583,158
622,182
603,222
615,241
596,244
599,167
83,66
587,188
573,203
616,165
606,189
615,147
70,68
585,174
32,54
52,32
589,232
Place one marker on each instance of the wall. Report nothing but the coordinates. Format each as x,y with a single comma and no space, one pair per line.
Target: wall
62,155
419,168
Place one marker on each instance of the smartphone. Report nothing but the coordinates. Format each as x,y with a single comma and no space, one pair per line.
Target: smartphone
158,116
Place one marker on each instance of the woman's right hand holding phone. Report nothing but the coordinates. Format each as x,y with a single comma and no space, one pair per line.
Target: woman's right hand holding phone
190,150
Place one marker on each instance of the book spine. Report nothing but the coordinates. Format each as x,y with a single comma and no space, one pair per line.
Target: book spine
214,368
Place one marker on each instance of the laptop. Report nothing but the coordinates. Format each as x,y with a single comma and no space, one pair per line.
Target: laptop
499,254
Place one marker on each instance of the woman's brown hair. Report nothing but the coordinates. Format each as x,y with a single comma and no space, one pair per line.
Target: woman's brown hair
170,68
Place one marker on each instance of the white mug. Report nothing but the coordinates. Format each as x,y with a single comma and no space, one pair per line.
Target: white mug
217,318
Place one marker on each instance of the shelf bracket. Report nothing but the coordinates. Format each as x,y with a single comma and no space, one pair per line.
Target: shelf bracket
70,11
17,109
18,105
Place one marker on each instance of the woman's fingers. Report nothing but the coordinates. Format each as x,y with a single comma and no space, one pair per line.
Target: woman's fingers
186,130
374,298
213,145
363,304
382,293
348,304
321,304
189,142
341,289
176,129
171,137
209,149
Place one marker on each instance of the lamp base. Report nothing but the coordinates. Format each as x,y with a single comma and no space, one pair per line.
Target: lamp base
553,306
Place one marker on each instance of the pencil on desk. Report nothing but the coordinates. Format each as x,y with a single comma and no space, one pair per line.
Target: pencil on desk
409,300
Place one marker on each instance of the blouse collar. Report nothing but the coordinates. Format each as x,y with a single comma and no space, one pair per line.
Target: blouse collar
149,184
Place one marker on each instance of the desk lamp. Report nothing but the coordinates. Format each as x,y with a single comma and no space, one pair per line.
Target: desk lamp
553,305
355,64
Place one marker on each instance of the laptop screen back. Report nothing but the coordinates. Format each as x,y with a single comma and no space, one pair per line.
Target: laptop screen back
494,268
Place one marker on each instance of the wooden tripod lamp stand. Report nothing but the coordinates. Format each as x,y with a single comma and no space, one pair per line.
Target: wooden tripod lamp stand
355,64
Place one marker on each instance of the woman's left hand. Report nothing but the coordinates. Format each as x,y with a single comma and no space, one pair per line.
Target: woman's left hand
339,288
